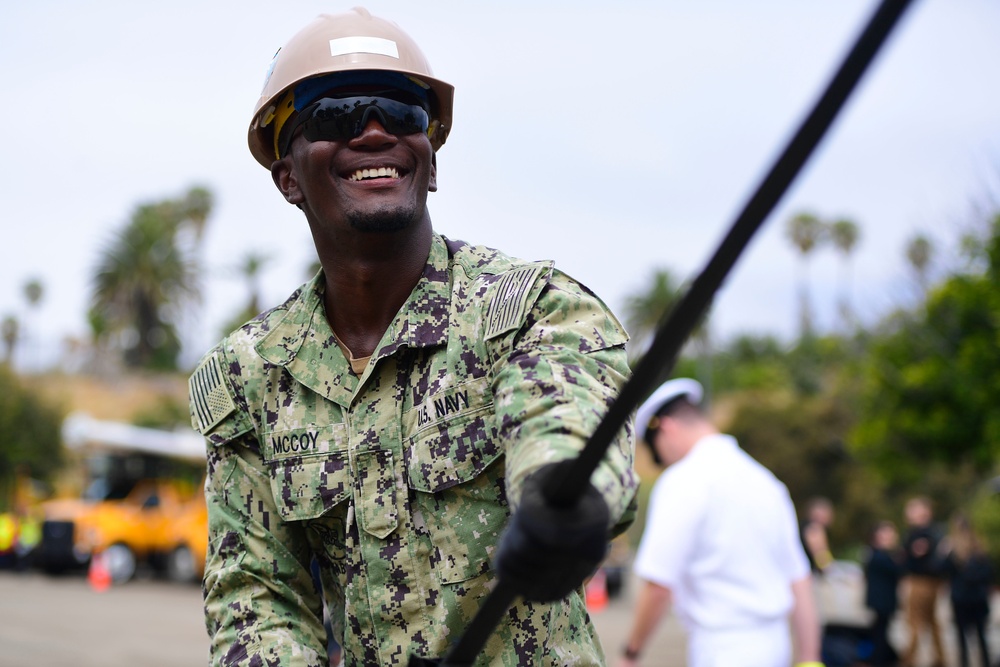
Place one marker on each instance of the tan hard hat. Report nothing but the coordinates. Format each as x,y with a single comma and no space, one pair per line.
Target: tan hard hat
333,43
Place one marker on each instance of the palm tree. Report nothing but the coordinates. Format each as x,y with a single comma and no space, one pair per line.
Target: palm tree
805,231
249,268
644,310
844,234
919,252
145,279
196,207
10,331
34,290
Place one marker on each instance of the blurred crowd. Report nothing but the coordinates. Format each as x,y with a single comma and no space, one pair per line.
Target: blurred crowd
907,569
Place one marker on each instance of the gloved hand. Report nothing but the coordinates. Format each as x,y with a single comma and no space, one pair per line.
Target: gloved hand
547,552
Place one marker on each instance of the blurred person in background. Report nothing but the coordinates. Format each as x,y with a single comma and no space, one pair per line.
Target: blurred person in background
970,575
721,546
815,537
923,579
883,566
8,540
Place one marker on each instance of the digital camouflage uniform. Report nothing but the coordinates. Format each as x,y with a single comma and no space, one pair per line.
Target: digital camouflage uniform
400,482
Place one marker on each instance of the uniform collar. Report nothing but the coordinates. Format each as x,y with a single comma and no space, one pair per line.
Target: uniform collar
708,447
303,342
423,319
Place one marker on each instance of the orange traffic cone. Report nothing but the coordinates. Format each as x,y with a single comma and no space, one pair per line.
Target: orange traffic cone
98,575
597,591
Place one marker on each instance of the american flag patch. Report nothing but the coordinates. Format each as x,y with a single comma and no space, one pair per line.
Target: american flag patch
506,309
210,399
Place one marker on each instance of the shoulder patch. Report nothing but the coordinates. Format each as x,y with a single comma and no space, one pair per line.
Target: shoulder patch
210,399
510,296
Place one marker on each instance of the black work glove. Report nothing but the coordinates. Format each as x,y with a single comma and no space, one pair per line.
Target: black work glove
547,552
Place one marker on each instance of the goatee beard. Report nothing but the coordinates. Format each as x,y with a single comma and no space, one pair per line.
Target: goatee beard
392,220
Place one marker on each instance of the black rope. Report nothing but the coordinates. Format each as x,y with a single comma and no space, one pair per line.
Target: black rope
658,362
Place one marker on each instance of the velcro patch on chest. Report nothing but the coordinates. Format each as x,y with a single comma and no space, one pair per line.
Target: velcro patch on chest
210,399
510,298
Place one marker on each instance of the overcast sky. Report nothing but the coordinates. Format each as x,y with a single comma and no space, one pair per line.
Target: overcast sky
613,138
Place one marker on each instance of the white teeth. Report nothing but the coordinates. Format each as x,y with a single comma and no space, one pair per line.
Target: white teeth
380,172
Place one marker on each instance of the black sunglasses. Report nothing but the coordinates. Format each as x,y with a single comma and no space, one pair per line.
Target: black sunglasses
343,118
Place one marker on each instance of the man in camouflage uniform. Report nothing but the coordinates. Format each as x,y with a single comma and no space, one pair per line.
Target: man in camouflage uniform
387,419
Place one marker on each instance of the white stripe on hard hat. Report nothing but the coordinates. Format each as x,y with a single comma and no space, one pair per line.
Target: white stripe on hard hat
343,46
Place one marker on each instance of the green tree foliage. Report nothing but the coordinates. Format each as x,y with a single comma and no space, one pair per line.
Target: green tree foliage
29,434
645,308
984,512
871,417
933,377
808,366
746,362
145,278
250,269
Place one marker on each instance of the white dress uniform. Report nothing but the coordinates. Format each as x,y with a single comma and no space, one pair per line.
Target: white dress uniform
721,534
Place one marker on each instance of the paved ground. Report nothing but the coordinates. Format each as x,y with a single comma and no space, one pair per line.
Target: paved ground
47,621
613,622
58,621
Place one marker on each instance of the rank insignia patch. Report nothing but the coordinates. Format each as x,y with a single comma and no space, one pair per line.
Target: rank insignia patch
209,395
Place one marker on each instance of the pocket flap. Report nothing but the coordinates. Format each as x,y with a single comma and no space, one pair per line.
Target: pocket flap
376,502
310,470
452,452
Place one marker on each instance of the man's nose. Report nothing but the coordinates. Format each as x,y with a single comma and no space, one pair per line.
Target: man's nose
373,132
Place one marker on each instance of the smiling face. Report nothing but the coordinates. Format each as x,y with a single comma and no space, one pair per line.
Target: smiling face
375,182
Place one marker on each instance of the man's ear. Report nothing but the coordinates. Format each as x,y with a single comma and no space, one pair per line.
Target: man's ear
283,175
432,186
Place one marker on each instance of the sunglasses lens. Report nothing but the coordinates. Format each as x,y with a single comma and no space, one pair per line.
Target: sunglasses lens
340,119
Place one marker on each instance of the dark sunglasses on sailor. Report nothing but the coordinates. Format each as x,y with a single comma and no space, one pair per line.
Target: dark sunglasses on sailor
344,118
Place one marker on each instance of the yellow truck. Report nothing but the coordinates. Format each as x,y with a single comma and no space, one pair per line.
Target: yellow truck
137,510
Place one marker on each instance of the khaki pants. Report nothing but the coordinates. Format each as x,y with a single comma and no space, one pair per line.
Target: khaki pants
921,604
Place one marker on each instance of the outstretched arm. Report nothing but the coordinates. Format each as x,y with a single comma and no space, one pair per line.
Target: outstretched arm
654,601
805,622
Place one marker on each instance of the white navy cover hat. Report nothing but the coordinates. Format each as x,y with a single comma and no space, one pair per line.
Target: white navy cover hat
667,392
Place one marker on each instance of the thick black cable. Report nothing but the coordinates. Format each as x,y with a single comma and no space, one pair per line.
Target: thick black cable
674,329
658,362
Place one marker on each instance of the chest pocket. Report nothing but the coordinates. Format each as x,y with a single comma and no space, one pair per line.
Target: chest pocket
310,470
454,463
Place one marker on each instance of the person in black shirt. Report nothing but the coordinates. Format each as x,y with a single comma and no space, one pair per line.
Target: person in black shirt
924,574
883,569
969,570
